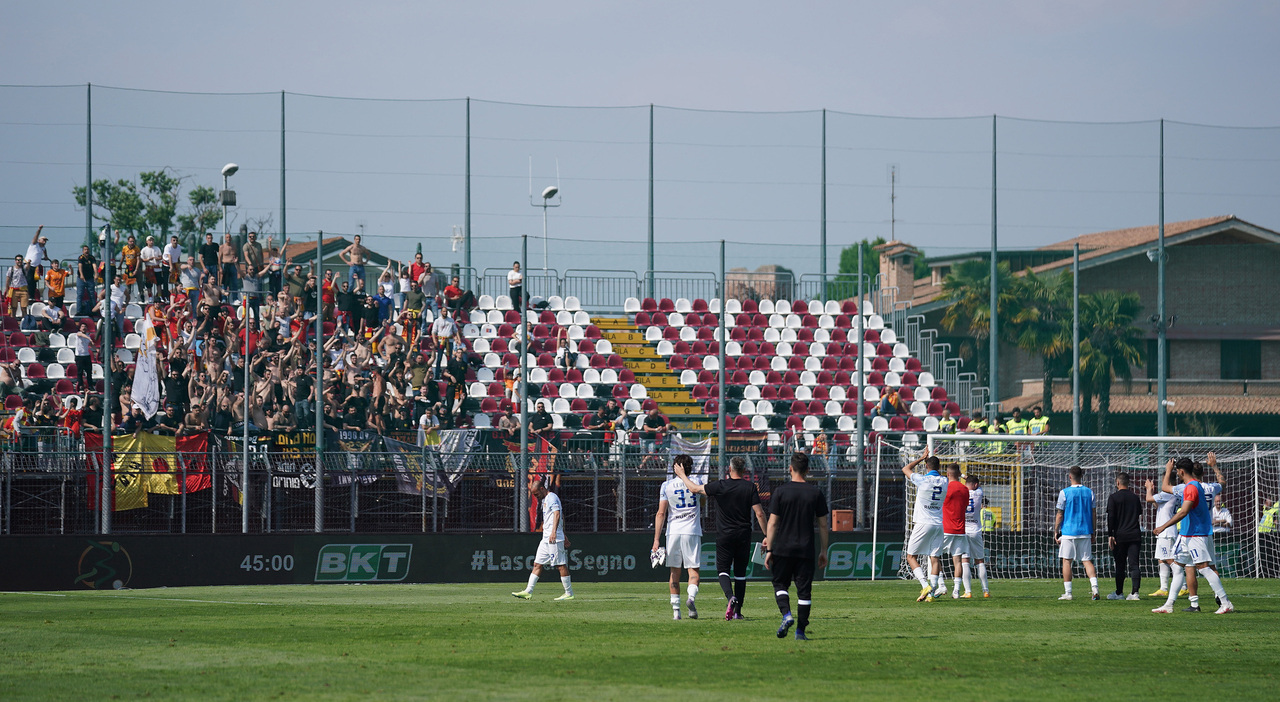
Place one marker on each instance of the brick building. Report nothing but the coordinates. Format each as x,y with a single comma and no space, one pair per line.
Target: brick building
1222,290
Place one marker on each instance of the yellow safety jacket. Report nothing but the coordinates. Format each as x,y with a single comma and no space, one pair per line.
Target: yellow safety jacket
979,425
1269,518
1039,425
988,519
994,446
1016,426
947,426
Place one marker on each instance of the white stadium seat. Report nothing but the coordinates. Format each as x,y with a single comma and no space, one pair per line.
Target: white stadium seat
812,364
675,319
765,307
638,392
764,408
918,409
733,306
482,421
485,302
714,305
870,393
555,303
560,406
564,318
747,407
832,408
888,336
804,393
879,424
572,304
811,423
630,305
665,348
837,393
815,307
809,378
586,391
751,392
925,379
756,377
931,424
608,376
831,309
683,305
688,377
759,423
604,347
66,356
652,334
503,302
688,334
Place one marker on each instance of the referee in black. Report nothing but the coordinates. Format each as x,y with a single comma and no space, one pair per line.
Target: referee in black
736,499
1124,536
794,509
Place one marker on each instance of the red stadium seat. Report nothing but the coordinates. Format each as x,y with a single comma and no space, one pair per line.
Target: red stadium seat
708,376
711,407
700,305
738,334
786,393
940,393
741,377
643,320
700,392
624,374
798,407
658,319
742,423
666,305
750,306
489,405
36,371
769,392
897,424
649,305
849,307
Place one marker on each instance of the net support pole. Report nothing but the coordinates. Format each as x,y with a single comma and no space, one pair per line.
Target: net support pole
822,227
860,459
649,259
1257,517
319,400
248,393
724,340
521,497
108,321
284,230
875,516
993,337
1162,342
466,206
1075,342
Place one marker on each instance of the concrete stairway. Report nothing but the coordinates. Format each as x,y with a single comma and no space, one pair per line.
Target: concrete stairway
653,373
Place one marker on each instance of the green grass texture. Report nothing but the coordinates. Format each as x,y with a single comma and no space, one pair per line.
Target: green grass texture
618,642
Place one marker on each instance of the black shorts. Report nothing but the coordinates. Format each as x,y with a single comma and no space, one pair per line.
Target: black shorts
733,553
788,569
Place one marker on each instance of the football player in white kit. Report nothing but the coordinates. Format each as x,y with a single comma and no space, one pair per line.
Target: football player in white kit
679,509
551,549
926,532
977,554
1164,542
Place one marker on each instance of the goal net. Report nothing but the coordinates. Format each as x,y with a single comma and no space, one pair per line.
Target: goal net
1021,479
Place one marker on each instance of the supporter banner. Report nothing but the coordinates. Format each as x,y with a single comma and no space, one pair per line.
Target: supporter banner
147,464
121,561
699,451
416,468
146,380
355,445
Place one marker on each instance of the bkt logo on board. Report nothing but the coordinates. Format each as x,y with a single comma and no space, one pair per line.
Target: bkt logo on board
363,563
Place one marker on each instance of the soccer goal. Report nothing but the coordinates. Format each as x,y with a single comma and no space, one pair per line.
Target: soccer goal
1021,477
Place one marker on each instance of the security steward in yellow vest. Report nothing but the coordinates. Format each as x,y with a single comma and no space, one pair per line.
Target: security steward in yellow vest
947,424
977,425
1039,423
995,447
1270,516
988,517
1017,426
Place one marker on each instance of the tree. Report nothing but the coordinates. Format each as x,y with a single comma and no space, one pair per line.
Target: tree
150,206
1041,323
1112,345
845,284
968,288
202,215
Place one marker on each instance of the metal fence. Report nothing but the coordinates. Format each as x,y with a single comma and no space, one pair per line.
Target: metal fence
605,488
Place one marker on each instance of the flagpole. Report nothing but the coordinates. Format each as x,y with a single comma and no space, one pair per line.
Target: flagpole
244,447
108,319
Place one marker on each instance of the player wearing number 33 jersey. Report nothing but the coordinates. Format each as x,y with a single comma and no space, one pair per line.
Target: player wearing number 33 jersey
678,506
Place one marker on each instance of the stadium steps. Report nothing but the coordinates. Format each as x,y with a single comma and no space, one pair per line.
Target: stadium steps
652,371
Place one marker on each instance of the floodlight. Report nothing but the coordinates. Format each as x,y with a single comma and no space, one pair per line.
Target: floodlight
229,169
550,192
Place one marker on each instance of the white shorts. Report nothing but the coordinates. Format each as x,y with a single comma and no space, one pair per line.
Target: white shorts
977,549
955,545
1076,548
1192,550
550,554
926,540
1164,548
684,551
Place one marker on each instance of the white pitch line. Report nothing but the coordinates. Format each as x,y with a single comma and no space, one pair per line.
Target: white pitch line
144,597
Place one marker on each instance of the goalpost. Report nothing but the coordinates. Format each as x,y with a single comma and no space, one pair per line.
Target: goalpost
1021,476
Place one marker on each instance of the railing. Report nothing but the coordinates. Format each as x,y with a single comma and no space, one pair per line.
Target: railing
601,290
690,285
604,487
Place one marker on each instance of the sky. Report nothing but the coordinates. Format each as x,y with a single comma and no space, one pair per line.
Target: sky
740,88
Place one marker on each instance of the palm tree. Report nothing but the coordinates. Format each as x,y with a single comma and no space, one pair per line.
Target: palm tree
1041,323
1112,346
968,288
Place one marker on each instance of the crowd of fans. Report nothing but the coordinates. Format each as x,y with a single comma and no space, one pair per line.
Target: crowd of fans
393,360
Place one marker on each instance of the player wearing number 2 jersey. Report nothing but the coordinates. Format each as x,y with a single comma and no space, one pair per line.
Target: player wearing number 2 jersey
1193,549
678,507
926,532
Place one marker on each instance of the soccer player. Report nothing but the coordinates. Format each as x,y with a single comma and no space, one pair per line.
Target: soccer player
926,532
1124,536
794,509
955,542
736,499
551,550
975,552
1193,549
1073,530
1164,542
678,508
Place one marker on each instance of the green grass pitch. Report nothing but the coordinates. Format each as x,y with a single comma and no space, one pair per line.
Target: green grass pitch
617,641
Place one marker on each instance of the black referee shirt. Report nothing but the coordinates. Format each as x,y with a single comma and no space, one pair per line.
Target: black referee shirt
797,506
734,500
1124,509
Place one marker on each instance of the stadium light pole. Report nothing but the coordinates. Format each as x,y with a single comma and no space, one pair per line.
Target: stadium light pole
822,229
109,320
544,202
